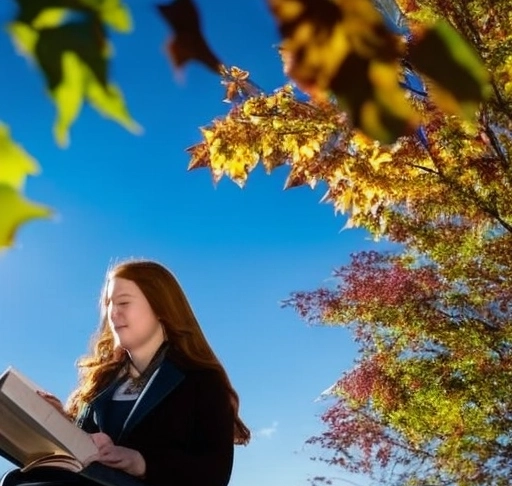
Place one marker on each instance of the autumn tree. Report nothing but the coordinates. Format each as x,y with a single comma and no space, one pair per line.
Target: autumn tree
427,402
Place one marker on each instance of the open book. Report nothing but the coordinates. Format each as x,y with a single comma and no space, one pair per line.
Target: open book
35,433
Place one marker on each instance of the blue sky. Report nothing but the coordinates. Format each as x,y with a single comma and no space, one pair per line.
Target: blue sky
237,253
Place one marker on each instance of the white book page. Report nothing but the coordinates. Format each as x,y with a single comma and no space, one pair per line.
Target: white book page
18,395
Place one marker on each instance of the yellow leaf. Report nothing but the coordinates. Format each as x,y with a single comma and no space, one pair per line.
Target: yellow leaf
112,12
508,88
16,210
377,158
237,171
346,200
208,134
267,150
289,10
109,101
68,96
50,17
218,162
15,163
369,193
360,139
24,37
307,151
277,123
117,15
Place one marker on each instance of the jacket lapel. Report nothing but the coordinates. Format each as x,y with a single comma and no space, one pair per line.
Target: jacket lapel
165,380
100,402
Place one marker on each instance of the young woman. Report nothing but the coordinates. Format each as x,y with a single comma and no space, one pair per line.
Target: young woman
152,393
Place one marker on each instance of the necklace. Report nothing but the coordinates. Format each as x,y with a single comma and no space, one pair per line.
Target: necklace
137,383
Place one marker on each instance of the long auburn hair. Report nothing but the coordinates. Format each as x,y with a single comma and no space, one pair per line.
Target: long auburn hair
188,345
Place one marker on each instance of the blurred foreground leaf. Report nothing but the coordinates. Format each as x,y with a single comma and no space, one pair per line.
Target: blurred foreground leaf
457,79
68,40
189,42
344,48
15,209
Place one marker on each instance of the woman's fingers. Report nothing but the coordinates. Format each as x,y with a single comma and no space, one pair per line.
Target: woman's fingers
52,400
119,457
123,458
48,396
101,440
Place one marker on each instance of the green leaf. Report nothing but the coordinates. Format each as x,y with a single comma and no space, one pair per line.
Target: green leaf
108,100
68,96
15,166
74,60
375,102
83,38
49,18
24,38
30,10
44,13
113,13
15,163
457,78
15,211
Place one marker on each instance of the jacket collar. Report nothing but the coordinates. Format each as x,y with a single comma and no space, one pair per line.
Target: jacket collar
164,381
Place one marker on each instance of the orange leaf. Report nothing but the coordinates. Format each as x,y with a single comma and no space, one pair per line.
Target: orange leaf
238,85
200,156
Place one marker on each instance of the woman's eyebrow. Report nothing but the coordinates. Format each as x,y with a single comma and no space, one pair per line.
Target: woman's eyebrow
119,296
124,294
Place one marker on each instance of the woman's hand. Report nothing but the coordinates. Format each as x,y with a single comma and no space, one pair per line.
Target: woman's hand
128,460
53,401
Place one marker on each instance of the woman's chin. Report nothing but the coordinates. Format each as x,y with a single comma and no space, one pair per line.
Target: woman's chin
125,344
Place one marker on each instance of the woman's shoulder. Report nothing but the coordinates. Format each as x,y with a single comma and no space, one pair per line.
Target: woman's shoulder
200,375
204,374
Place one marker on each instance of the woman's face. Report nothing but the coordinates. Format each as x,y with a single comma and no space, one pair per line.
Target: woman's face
130,317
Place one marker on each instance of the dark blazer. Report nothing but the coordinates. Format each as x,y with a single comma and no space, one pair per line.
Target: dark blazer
183,425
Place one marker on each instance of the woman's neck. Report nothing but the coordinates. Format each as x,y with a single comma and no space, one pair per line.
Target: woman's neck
142,356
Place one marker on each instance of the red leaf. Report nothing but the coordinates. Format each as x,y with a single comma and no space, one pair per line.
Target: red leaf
189,42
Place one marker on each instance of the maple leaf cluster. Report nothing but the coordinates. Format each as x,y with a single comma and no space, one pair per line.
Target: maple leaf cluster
346,50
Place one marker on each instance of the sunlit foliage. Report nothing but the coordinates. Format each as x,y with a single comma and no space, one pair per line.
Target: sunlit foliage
343,53
428,401
15,166
370,181
68,41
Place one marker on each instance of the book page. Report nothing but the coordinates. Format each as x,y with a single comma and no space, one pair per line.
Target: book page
57,460
22,439
32,427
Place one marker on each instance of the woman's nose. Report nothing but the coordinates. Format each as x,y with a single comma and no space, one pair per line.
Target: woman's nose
114,311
